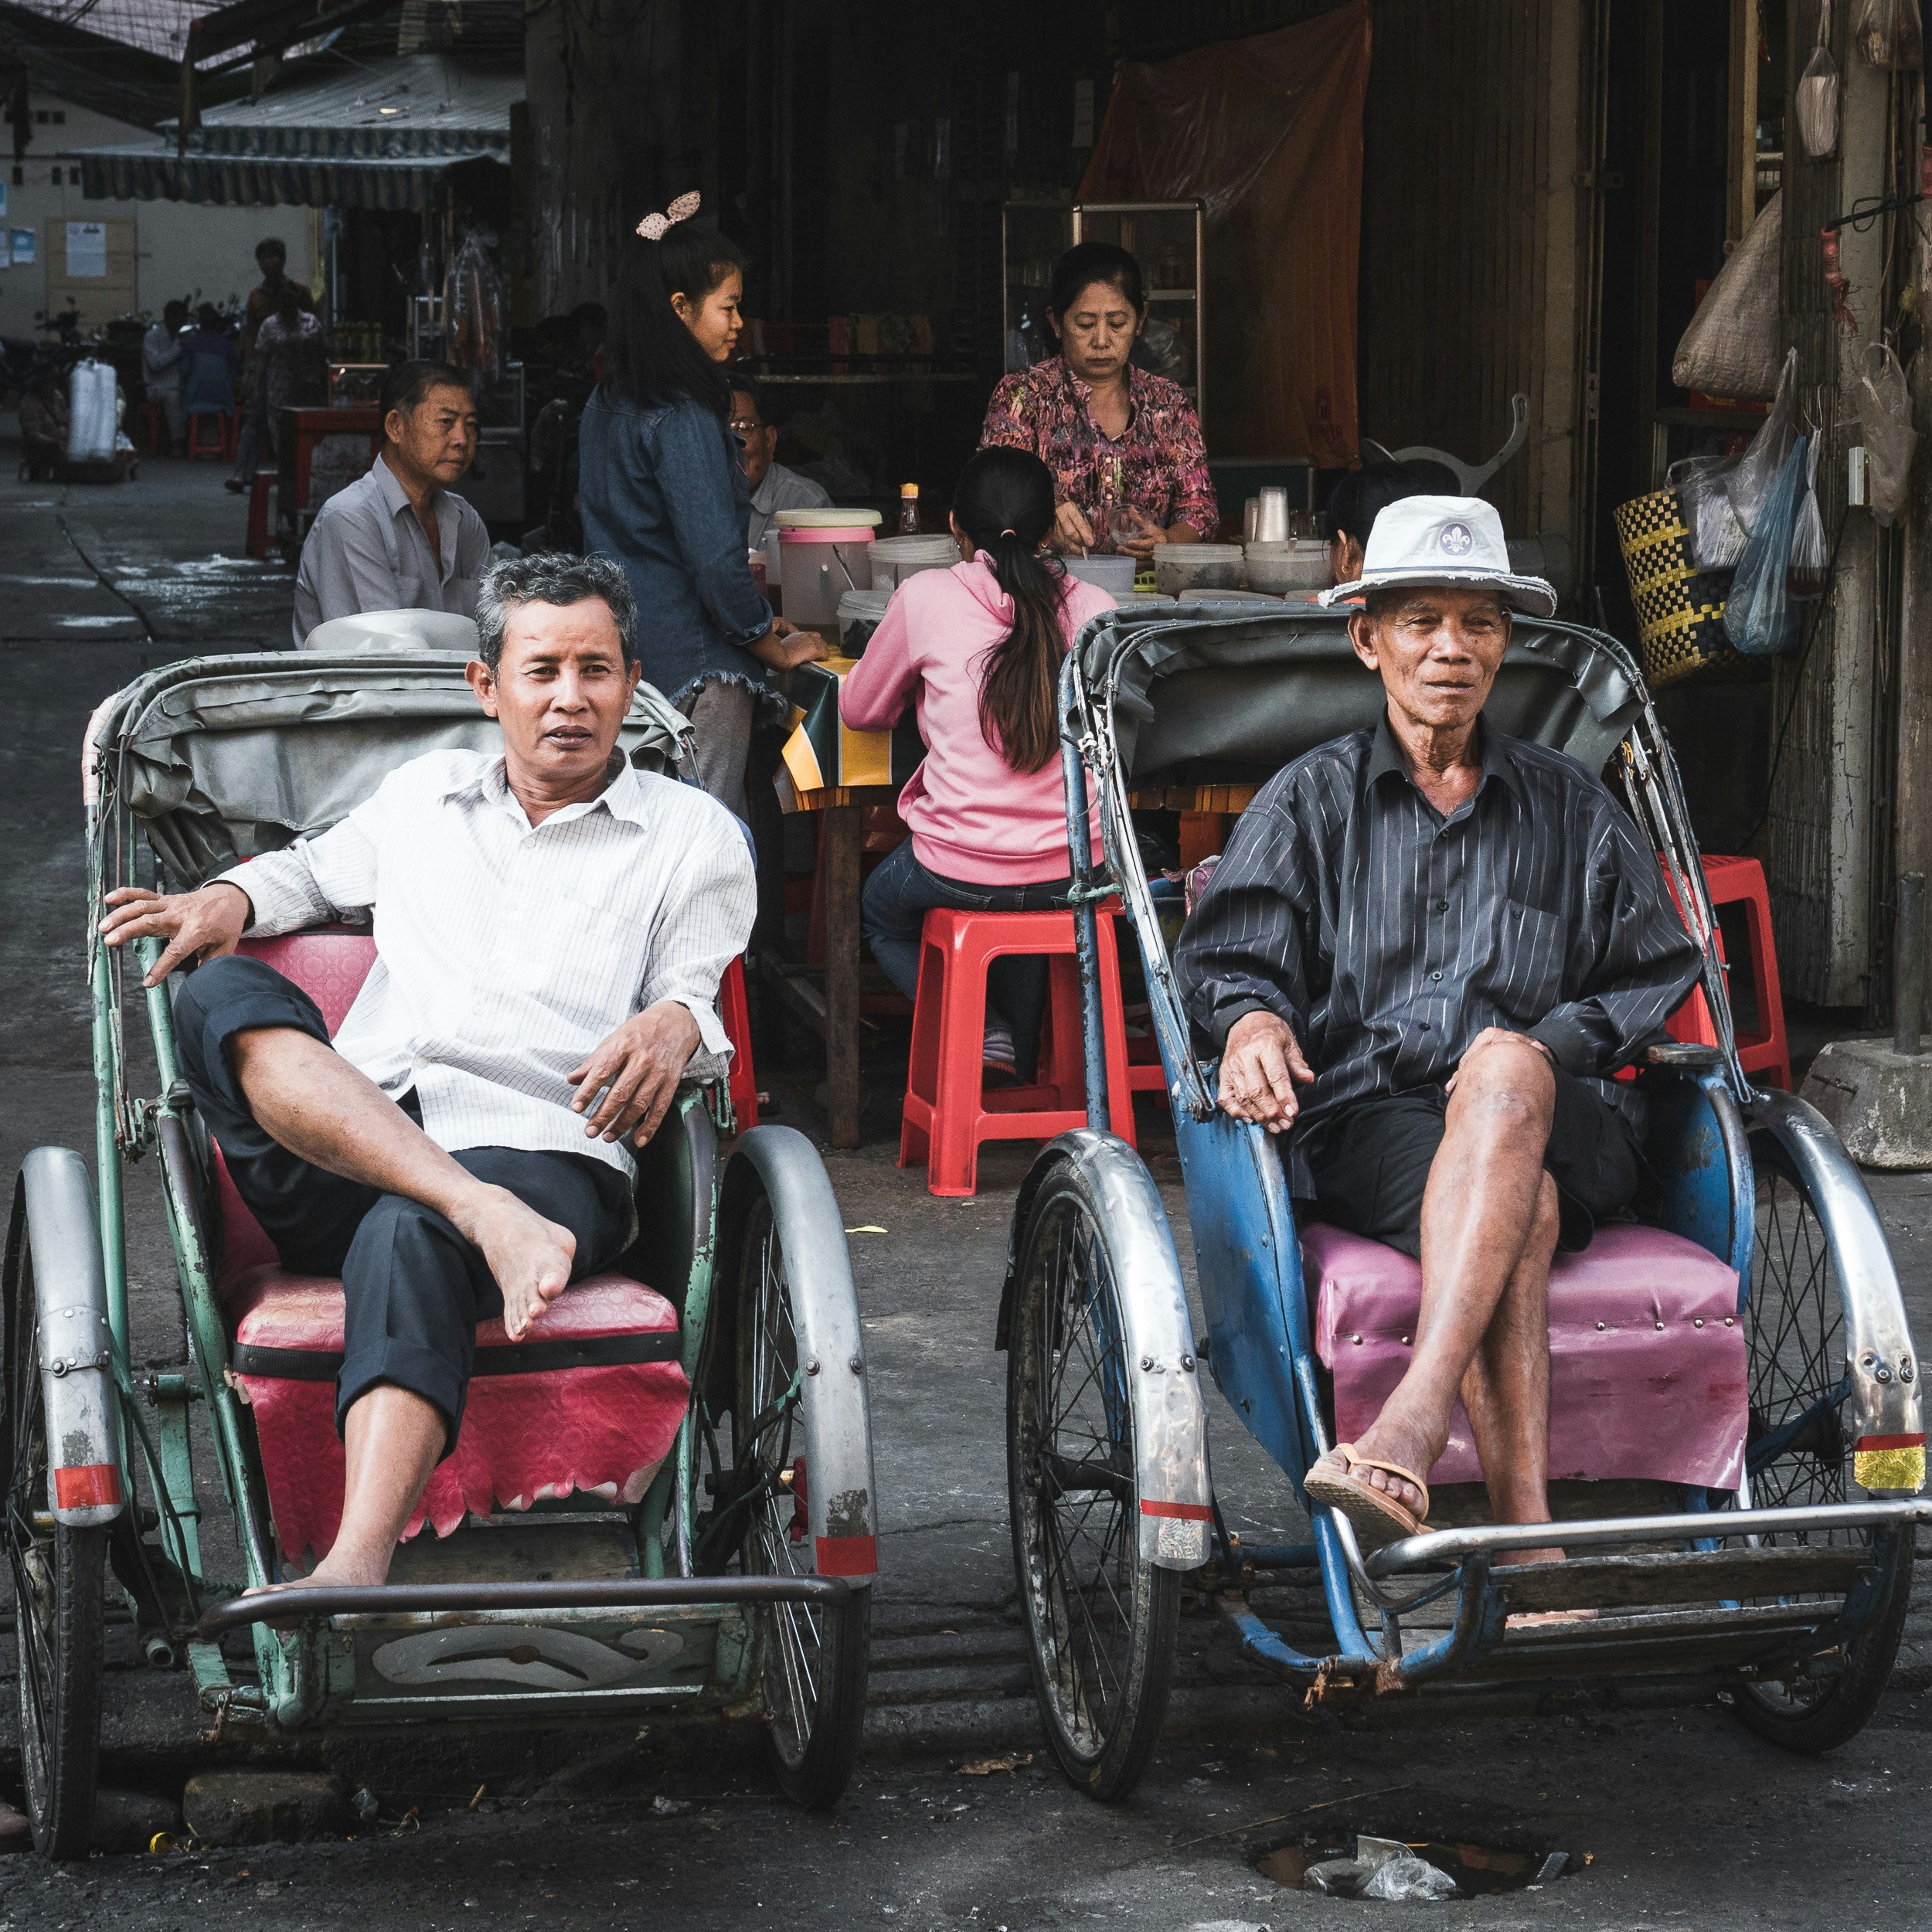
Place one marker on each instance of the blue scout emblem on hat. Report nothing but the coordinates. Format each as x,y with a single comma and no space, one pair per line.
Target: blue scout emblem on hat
1456,540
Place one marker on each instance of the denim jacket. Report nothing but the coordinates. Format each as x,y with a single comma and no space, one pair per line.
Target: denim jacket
662,491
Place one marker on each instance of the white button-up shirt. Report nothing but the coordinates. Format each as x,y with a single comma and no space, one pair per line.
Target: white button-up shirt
505,952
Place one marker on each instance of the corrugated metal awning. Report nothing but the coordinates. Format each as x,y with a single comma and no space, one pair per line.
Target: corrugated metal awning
152,171
367,136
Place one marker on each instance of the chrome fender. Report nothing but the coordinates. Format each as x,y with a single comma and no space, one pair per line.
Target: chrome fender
1884,1415
84,1485
1170,1416
840,1493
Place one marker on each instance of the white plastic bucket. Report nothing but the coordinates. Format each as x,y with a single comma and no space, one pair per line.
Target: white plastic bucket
1112,574
1180,567
894,558
1301,563
824,555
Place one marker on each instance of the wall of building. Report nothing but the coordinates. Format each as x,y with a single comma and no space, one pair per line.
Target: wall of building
181,248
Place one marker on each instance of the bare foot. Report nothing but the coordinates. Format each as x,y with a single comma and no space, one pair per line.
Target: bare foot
530,1257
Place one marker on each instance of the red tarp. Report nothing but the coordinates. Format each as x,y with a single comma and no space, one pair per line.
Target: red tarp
1267,132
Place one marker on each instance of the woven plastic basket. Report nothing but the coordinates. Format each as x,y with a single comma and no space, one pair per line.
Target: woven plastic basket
1680,609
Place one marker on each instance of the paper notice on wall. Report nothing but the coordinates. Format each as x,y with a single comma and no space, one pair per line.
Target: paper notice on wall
86,249
21,247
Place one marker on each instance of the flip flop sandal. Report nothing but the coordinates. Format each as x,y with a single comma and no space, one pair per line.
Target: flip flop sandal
1378,1517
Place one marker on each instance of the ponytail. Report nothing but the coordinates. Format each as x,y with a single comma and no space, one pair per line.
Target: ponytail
1004,504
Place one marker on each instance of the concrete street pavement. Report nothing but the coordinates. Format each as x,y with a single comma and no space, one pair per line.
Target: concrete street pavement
1684,1817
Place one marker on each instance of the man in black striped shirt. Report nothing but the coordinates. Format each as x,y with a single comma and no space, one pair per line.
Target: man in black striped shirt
1451,938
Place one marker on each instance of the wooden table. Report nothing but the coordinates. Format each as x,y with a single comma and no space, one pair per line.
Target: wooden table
297,433
832,1011
1204,811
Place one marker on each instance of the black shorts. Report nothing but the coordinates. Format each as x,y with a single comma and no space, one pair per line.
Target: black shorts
1371,1163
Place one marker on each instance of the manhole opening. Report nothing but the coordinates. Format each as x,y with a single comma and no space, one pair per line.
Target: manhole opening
1343,1863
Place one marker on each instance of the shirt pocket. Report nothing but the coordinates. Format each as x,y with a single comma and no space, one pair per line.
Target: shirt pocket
1524,976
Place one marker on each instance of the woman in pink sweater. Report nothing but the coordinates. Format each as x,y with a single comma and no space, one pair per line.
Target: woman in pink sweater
977,649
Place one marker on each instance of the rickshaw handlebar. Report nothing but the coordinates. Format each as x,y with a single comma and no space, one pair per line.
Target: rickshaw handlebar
1447,1546
315,1601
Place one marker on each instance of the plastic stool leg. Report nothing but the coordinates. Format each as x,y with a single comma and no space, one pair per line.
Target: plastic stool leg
952,1165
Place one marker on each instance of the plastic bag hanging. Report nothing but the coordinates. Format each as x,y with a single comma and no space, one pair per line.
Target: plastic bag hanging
1888,35
1759,616
1748,482
1805,575
1717,538
1818,93
1885,417
477,307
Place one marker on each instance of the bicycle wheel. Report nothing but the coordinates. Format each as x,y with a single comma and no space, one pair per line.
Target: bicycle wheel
58,1577
814,1660
1799,1454
1102,1625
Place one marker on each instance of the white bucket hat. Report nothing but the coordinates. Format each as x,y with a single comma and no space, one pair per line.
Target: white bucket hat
1452,540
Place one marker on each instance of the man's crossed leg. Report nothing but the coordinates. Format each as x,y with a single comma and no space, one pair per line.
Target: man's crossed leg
427,1243
1467,1180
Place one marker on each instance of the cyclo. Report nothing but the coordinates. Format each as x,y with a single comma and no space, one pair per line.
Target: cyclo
660,1503
1734,1384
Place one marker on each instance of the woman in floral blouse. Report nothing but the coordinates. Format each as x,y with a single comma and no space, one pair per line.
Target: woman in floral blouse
1130,469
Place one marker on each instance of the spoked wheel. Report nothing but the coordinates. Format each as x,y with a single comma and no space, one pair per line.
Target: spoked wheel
813,1659
1102,1625
1799,1453
57,1581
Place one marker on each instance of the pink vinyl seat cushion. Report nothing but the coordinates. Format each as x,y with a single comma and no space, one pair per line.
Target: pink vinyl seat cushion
604,1427
1647,1369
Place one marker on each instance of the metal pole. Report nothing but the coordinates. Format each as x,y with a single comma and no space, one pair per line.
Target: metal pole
1908,964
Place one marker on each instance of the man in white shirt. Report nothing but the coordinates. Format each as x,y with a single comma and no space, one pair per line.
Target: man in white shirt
773,487
550,928
398,538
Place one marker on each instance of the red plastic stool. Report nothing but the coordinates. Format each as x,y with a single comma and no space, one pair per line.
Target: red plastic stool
260,485
1144,1073
948,1113
1741,882
151,429
734,1014
215,426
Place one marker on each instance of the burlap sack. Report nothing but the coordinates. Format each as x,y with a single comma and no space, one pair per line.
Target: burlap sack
1731,348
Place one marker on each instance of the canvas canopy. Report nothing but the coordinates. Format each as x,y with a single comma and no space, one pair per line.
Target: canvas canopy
223,759
1206,699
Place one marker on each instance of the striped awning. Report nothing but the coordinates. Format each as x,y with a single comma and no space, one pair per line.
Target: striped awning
152,171
370,135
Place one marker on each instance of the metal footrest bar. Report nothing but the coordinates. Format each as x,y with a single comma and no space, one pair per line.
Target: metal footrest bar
315,1603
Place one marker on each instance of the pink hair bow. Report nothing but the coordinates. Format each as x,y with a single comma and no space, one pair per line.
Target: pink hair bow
656,227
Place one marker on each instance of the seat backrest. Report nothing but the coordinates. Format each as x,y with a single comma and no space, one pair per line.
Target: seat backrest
329,965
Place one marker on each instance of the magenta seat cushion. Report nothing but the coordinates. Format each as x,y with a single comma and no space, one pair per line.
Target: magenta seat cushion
1647,1374
525,1436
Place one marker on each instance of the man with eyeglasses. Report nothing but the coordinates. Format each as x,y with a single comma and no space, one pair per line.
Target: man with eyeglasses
773,487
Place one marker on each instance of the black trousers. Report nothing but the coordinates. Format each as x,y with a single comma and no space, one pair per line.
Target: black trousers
413,1289
1371,1163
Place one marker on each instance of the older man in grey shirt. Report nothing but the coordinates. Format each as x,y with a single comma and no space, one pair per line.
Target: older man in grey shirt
773,487
398,540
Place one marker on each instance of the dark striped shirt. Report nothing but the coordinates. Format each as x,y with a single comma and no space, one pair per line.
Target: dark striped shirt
1388,936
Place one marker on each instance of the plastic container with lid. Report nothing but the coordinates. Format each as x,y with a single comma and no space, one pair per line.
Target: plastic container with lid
1115,574
823,554
1299,564
1180,567
894,558
860,613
